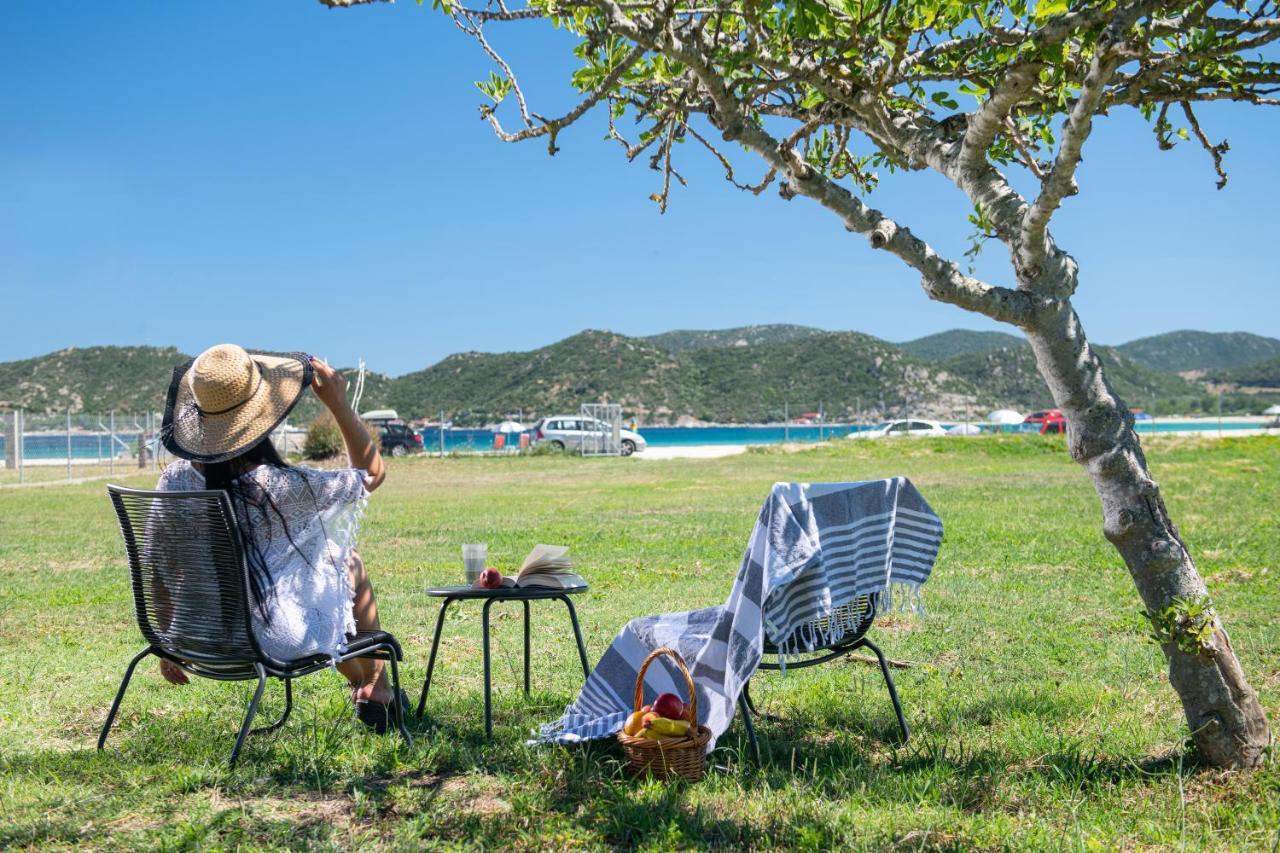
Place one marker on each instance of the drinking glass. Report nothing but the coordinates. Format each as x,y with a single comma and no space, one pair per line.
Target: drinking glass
473,557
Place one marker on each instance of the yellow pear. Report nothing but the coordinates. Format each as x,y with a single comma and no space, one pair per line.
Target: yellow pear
634,724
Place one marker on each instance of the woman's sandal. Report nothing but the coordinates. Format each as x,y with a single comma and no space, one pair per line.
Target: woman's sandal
376,715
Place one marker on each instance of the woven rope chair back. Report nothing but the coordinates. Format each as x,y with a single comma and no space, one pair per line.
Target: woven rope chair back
856,615
190,590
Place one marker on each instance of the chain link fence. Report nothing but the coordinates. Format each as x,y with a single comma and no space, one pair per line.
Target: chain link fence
41,447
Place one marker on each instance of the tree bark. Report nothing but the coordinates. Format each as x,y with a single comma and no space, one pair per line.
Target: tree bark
1227,722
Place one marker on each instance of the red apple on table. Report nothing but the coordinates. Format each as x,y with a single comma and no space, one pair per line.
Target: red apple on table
670,706
491,578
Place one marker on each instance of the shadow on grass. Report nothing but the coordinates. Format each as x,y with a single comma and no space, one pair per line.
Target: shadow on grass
374,786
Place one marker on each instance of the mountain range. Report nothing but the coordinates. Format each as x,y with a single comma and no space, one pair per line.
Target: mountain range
747,374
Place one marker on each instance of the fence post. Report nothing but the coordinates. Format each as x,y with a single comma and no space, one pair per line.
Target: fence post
111,445
19,444
441,431
68,445
786,423
12,442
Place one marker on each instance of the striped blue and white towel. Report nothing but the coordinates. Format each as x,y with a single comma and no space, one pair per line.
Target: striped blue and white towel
815,547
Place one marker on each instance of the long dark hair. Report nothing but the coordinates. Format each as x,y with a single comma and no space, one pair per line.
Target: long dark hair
252,505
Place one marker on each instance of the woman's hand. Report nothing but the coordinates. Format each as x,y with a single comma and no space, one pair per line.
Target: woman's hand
330,385
173,673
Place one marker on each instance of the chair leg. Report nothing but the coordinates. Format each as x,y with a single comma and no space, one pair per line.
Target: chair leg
288,709
746,694
248,717
398,709
115,706
893,693
745,710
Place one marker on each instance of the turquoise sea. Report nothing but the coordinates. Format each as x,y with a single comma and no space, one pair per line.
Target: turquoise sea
99,446
482,439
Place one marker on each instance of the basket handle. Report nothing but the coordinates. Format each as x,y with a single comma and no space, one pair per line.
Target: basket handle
688,680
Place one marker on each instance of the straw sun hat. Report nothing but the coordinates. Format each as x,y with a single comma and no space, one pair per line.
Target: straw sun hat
227,399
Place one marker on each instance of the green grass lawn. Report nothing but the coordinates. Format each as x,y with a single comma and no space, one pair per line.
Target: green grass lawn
1040,711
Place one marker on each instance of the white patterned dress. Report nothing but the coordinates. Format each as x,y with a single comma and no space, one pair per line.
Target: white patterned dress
309,599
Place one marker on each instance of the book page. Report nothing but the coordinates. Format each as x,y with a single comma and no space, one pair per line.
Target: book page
545,557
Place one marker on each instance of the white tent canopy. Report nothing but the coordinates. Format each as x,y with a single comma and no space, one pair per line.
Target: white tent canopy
1005,417
1271,410
510,426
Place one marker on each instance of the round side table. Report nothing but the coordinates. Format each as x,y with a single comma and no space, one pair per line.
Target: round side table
450,594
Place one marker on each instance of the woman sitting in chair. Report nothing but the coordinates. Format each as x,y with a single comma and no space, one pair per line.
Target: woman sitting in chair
299,525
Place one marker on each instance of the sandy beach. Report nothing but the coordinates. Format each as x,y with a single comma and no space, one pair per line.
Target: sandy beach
692,451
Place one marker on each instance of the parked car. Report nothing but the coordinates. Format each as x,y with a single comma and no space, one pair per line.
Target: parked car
1049,421
399,439
570,432
913,427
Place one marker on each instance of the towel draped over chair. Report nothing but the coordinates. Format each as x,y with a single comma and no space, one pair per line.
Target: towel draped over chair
815,548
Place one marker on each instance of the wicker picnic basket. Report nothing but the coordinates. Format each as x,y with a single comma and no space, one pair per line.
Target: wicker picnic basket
668,758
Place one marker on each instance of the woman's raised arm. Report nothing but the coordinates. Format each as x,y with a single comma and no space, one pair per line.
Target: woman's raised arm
331,388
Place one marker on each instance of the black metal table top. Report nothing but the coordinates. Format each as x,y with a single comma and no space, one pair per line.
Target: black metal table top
516,593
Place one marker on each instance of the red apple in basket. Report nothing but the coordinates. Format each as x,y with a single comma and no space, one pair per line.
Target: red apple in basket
670,706
490,578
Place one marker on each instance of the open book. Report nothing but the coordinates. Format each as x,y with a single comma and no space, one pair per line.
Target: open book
546,565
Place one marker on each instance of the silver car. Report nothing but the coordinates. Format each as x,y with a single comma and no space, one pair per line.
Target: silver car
571,432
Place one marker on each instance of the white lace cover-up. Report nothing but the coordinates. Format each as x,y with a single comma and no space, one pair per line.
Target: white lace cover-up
309,599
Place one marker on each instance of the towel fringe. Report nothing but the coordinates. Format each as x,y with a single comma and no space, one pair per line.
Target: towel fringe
900,596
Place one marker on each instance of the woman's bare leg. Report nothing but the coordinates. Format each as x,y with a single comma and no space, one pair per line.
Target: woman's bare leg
366,675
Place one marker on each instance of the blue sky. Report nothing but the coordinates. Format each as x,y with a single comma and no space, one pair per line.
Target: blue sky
293,177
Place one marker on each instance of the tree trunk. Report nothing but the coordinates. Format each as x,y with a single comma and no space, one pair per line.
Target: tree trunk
1227,722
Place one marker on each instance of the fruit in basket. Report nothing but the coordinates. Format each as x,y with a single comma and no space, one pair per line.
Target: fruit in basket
634,724
664,727
490,578
670,706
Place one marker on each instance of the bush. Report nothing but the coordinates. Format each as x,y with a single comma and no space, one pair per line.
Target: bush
324,439
375,435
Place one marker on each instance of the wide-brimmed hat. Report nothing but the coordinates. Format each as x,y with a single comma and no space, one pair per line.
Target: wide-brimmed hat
227,399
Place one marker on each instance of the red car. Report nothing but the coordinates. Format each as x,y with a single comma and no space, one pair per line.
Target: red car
1050,420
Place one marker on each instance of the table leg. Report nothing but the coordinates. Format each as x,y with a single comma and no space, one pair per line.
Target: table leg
577,635
488,701
526,648
431,661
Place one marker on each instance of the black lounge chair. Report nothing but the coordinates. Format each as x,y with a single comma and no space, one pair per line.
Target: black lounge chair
192,599
863,609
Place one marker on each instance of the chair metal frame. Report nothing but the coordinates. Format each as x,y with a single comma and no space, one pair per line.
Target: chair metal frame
851,641
231,667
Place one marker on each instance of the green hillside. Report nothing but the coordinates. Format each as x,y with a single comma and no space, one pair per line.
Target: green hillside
1262,374
846,372
686,340
90,379
588,367
1009,377
955,342
1190,350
